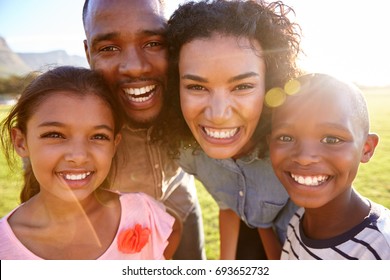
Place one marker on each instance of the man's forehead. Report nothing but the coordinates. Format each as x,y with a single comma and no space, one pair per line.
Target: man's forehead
129,7
120,15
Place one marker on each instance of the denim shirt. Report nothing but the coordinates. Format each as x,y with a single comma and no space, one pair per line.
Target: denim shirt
144,166
248,186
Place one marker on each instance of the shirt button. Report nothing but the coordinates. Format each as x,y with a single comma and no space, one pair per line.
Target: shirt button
241,193
156,166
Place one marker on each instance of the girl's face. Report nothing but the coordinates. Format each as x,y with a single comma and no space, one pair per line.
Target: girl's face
70,143
222,91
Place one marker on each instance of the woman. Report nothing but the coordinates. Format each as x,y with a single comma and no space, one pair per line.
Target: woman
224,57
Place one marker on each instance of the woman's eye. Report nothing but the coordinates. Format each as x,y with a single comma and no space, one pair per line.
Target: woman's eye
195,87
285,138
243,87
331,140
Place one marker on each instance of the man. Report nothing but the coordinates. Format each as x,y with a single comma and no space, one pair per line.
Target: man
125,42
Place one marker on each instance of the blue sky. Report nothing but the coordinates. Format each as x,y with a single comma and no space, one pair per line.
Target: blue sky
347,38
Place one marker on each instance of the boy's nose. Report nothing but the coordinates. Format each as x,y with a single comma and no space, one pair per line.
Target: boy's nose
306,154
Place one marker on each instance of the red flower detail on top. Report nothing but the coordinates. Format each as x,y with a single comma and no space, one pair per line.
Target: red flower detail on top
131,241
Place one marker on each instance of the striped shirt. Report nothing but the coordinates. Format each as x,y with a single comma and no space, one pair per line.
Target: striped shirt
369,240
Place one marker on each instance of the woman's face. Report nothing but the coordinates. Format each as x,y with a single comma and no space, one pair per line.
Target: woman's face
222,90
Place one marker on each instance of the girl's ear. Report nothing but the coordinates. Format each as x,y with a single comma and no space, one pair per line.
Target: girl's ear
117,140
369,147
20,142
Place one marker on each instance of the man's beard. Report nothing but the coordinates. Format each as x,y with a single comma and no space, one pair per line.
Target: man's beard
141,123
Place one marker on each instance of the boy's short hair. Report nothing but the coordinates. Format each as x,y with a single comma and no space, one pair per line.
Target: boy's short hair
319,83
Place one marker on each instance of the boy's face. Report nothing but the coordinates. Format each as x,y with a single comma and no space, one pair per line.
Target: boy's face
316,146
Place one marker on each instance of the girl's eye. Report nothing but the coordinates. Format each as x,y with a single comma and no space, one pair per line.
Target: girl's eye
285,138
101,137
52,135
331,140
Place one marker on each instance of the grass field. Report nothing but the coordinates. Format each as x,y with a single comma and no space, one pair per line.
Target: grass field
373,180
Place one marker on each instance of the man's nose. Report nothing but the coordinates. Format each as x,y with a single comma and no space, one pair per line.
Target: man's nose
134,62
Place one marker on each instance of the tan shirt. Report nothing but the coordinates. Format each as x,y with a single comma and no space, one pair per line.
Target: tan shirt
146,167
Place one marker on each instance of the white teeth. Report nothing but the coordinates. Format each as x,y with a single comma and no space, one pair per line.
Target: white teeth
134,94
310,180
139,91
140,99
221,134
75,177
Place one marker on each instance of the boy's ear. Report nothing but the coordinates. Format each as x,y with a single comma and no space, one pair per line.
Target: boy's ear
369,147
20,142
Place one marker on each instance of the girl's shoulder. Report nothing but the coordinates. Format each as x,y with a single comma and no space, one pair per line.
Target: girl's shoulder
139,200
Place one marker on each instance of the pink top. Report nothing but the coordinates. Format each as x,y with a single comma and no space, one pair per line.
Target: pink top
137,208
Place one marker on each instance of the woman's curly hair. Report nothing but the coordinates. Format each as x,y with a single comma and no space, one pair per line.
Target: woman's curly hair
267,23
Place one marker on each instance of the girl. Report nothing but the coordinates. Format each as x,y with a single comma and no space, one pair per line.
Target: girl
224,57
66,123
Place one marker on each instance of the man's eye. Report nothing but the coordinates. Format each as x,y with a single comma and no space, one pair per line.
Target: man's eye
109,49
331,140
154,44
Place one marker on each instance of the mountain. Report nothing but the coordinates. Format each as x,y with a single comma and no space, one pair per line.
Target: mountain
12,63
42,61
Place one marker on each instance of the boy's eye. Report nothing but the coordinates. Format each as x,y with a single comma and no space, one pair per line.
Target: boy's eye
285,138
331,140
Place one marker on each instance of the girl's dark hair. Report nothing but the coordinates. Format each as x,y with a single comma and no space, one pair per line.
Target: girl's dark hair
78,81
268,24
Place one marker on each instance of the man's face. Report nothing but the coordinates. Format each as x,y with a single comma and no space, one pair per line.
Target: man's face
125,42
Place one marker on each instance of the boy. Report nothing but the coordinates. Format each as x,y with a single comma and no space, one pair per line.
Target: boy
319,137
